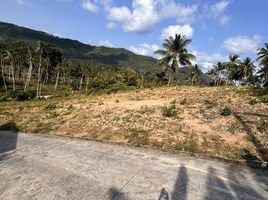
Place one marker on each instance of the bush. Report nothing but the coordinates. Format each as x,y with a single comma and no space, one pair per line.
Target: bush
184,101
50,107
169,111
253,102
21,95
226,111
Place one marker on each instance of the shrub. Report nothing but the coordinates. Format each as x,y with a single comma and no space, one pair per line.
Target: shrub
252,102
50,107
21,95
169,111
184,101
226,111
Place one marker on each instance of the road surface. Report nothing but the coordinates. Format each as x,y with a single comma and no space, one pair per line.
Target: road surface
47,167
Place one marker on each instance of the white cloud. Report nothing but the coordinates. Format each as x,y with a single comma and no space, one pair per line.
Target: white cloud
186,30
242,44
89,6
144,14
206,61
217,11
111,26
21,2
119,14
183,14
105,43
145,49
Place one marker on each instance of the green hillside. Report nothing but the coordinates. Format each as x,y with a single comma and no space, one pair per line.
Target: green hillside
112,57
100,56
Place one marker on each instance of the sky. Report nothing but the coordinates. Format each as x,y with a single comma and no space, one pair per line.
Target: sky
217,28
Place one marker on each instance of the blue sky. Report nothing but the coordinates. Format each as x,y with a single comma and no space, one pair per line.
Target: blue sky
217,27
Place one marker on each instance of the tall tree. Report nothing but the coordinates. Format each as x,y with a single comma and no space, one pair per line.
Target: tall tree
195,74
248,68
220,71
262,54
234,68
30,69
2,56
175,53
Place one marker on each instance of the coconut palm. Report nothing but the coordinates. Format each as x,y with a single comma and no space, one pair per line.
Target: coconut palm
195,74
247,67
262,54
213,74
220,72
234,68
175,54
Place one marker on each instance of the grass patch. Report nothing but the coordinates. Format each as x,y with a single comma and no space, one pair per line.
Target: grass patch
226,111
184,102
170,111
253,101
189,144
138,137
263,126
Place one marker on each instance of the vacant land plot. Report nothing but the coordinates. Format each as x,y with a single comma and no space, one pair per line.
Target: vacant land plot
221,121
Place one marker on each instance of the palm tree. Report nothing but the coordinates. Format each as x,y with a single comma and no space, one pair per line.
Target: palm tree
263,59
175,54
213,74
219,68
195,74
234,68
248,67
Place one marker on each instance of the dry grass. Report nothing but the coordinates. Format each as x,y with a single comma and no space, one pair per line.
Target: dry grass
137,118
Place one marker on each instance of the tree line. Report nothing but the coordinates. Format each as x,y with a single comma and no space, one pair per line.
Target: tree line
175,54
36,67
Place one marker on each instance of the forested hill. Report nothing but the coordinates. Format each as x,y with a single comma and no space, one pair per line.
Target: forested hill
104,56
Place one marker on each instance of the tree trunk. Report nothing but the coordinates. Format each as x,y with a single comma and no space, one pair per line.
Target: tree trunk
39,74
142,79
57,80
13,76
29,75
81,82
3,75
87,82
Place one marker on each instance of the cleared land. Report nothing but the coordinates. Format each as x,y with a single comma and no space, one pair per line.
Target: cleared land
221,121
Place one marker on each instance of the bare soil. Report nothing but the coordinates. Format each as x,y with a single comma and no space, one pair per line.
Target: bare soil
137,117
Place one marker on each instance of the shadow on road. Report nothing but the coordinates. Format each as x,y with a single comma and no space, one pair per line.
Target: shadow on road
8,140
216,188
243,190
115,194
235,186
180,188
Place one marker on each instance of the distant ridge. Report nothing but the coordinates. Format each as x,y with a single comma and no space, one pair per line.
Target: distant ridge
100,56
105,56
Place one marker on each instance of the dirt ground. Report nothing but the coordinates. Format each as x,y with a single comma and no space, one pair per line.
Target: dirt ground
219,121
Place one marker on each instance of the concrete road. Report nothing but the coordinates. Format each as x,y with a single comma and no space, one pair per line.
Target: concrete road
46,167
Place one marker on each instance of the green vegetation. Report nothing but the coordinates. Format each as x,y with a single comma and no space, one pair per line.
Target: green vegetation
226,111
171,110
174,55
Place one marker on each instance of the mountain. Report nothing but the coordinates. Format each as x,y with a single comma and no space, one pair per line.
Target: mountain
73,49
104,56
